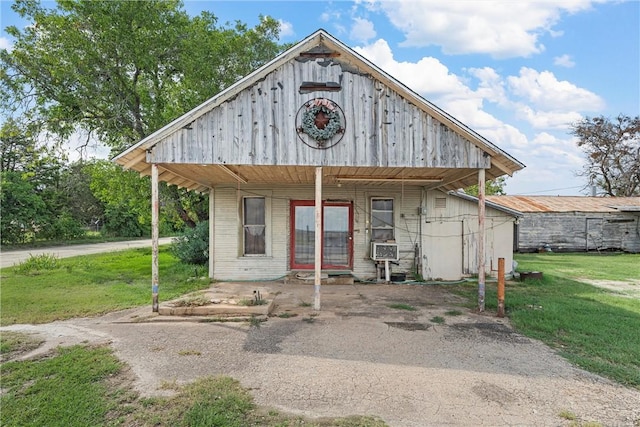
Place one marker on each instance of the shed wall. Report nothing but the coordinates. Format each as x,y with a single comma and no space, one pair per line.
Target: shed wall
579,231
450,239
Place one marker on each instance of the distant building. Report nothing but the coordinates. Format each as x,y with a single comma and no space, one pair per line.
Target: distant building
575,223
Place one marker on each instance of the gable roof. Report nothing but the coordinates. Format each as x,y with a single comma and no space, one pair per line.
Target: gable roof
136,156
568,203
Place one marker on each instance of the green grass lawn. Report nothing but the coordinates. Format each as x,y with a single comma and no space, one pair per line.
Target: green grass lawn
594,328
45,288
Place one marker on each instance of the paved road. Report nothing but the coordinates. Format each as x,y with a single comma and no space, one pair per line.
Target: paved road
10,258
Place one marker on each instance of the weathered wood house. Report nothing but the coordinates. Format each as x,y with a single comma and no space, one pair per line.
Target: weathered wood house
321,161
574,224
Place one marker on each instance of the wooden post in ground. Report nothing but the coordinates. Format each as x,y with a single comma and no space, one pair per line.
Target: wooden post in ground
318,241
155,211
500,287
481,214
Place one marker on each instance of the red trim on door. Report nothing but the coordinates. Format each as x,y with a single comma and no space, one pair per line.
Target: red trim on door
292,236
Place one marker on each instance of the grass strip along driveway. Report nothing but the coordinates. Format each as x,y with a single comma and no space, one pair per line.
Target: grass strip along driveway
596,329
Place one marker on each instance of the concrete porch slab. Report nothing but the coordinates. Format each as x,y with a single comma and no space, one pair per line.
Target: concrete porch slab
226,301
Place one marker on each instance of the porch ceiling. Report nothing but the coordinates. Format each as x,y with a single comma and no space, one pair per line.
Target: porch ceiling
202,177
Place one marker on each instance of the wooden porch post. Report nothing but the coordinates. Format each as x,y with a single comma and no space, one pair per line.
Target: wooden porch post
155,210
318,241
211,230
481,215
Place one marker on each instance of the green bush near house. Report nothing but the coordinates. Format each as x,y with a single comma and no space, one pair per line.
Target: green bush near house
192,247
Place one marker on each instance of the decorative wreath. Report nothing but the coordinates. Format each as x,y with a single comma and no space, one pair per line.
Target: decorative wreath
321,120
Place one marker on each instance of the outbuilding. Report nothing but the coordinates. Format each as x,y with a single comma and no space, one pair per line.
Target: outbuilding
571,224
319,161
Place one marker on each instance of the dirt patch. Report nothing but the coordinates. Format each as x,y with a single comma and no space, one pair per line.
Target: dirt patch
360,356
628,288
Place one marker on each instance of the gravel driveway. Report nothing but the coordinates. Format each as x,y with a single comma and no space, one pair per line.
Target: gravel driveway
359,356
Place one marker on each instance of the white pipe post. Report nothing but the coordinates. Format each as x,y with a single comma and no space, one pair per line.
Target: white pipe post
318,241
481,215
155,213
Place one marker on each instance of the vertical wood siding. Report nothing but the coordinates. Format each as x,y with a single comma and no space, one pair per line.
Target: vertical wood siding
579,231
258,126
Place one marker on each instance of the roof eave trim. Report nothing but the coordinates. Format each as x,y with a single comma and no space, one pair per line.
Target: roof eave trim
493,205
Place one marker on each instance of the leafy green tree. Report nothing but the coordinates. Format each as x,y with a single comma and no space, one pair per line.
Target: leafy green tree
125,196
612,148
122,69
32,203
493,187
23,210
81,203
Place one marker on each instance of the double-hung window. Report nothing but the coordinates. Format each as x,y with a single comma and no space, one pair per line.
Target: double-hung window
382,226
254,225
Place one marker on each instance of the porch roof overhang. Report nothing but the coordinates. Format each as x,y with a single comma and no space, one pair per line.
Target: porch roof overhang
201,177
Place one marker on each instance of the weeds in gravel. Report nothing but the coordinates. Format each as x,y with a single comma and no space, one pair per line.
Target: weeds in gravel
286,315
402,306
453,313
189,353
437,320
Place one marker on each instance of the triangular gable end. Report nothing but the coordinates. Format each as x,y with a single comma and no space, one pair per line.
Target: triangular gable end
258,122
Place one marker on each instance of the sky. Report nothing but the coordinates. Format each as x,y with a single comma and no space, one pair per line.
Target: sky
519,73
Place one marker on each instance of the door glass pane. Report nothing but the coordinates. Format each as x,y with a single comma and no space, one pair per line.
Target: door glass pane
305,235
336,235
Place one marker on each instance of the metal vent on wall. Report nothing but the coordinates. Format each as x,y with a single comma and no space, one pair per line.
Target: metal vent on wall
441,203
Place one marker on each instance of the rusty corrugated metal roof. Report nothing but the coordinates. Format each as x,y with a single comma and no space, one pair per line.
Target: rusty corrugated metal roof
567,203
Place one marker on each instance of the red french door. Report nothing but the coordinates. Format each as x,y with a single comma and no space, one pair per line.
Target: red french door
337,235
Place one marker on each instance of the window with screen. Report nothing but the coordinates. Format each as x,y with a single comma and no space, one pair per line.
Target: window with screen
382,227
254,225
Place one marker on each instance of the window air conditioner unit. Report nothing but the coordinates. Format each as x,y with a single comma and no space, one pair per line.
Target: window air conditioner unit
384,251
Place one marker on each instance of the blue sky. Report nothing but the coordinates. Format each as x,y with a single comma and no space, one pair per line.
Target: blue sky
517,72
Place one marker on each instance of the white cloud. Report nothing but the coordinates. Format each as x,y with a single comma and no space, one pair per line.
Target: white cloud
286,28
491,84
564,61
433,80
362,30
501,28
5,43
544,90
428,76
559,120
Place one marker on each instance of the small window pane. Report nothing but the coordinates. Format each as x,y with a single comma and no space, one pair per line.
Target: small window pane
382,204
382,226
382,234
254,240
254,226
382,219
254,211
